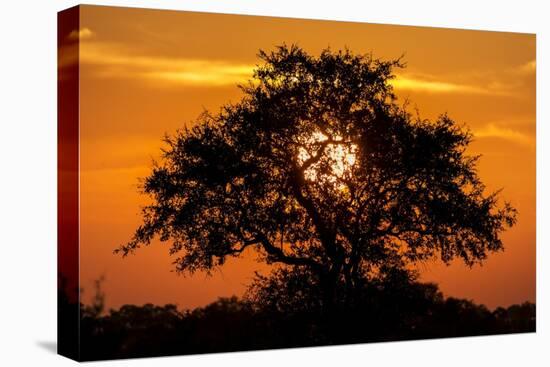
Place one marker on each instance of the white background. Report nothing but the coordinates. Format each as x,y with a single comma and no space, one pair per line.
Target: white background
28,182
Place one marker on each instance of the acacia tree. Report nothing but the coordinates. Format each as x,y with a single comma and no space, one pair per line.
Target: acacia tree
319,167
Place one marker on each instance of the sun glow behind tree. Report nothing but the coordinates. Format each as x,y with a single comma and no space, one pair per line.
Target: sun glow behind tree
339,154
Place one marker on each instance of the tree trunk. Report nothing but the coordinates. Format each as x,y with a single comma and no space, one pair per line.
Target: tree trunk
329,312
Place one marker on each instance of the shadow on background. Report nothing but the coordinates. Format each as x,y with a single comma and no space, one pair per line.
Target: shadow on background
50,346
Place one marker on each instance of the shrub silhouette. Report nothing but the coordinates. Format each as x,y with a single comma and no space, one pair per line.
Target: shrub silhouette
411,310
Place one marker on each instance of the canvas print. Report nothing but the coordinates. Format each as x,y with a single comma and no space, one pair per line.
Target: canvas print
234,183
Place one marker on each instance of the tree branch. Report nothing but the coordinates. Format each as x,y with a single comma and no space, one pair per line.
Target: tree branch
280,256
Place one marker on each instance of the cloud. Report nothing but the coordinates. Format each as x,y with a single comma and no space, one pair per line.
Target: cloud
115,62
68,56
529,67
431,86
478,85
494,131
81,34
507,82
217,75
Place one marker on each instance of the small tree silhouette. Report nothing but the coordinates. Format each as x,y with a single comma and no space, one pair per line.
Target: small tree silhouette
318,167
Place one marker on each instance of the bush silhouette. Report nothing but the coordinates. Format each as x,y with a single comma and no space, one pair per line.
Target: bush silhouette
411,310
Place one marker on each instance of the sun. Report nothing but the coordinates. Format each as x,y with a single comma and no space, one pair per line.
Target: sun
338,155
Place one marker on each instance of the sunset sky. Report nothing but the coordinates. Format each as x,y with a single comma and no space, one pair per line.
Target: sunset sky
145,73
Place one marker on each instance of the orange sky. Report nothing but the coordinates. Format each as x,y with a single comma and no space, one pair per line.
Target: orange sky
145,73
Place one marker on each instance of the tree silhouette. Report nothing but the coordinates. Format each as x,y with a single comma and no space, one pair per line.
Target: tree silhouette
319,168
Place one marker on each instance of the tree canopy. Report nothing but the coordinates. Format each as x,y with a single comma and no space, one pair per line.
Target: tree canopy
319,167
